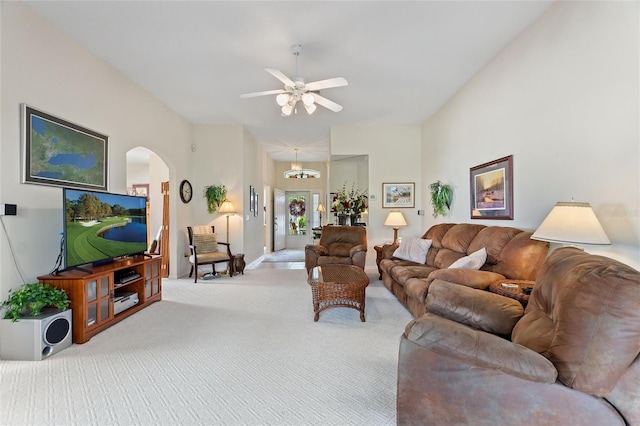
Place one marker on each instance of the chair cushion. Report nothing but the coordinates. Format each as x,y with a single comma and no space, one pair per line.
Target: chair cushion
205,243
210,257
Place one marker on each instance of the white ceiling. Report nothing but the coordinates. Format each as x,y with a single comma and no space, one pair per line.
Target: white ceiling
403,60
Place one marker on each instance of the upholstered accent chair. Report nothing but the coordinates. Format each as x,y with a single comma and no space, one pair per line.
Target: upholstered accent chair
205,250
345,245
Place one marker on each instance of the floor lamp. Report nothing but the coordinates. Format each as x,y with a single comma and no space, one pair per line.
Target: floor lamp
227,208
320,210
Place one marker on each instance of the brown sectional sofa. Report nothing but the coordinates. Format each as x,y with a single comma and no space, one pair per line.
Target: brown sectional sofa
511,254
574,358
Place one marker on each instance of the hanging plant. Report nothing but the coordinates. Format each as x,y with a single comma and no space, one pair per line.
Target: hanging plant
441,198
215,196
297,208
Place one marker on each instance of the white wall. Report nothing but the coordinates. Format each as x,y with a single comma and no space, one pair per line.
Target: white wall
563,99
43,67
394,156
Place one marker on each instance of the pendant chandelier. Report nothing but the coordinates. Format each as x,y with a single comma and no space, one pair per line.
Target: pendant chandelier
299,172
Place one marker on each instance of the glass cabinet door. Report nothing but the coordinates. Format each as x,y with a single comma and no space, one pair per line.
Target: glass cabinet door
98,300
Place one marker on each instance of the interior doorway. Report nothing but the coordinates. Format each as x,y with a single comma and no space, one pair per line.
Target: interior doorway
146,172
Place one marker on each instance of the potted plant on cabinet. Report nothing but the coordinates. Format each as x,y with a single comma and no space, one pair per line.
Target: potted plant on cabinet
215,196
441,198
31,298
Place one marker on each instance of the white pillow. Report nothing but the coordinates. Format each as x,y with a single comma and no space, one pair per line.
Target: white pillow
413,248
474,261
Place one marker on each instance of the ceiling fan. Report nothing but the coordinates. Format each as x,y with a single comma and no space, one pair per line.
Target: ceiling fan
295,89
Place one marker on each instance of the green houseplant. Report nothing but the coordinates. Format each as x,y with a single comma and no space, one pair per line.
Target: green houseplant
215,196
441,198
31,298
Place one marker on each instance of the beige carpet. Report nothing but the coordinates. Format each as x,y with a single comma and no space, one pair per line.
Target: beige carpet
285,255
230,351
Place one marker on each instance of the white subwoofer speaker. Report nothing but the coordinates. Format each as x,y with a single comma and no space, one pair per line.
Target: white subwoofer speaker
35,338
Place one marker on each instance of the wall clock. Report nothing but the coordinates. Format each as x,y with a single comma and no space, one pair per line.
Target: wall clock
186,191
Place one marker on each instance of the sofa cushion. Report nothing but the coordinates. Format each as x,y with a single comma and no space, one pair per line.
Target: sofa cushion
474,261
402,273
583,316
413,249
478,309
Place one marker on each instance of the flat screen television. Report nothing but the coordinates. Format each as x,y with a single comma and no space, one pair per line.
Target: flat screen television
101,226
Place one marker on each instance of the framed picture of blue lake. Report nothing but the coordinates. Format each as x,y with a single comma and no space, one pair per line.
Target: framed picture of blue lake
60,153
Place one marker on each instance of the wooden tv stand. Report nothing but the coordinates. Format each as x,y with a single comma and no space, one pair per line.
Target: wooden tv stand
92,293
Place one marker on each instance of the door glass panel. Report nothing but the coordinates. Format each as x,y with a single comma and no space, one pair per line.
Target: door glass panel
155,266
93,315
92,290
297,214
147,269
156,286
104,310
104,286
147,289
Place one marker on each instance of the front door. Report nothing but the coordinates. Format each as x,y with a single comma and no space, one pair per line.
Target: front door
298,210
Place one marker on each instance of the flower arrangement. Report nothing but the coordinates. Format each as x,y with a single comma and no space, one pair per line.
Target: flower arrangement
352,202
297,208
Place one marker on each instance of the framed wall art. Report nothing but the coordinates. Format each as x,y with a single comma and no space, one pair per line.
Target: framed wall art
398,195
60,153
141,189
492,189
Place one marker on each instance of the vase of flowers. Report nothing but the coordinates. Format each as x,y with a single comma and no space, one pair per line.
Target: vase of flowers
349,203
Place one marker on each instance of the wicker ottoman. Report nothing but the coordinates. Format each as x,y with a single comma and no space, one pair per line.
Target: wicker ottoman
334,286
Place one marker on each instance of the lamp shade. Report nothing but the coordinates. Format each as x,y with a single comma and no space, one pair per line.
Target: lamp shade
571,222
227,208
321,208
395,219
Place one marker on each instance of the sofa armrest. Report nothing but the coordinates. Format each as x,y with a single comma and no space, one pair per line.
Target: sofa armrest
476,308
477,348
388,250
311,255
356,249
468,277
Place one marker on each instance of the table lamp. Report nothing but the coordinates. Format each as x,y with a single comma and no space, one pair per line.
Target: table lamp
571,223
395,219
320,210
227,208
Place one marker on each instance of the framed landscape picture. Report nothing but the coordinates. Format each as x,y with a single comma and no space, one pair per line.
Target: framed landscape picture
58,152
492,189
398,195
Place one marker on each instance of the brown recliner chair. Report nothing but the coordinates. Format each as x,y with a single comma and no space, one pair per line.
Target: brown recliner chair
345,245
573,359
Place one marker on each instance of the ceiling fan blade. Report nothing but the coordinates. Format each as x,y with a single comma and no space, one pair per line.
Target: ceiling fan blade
268,92
280,76
326,84
326,103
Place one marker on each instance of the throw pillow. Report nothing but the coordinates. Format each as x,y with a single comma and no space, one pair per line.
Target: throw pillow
413,248
206,243
474,261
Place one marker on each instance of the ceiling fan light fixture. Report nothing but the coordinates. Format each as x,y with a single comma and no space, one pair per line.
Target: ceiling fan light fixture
307,99
310,108
287,109
282,99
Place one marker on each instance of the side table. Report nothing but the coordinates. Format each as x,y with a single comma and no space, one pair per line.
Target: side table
238,264
514,293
